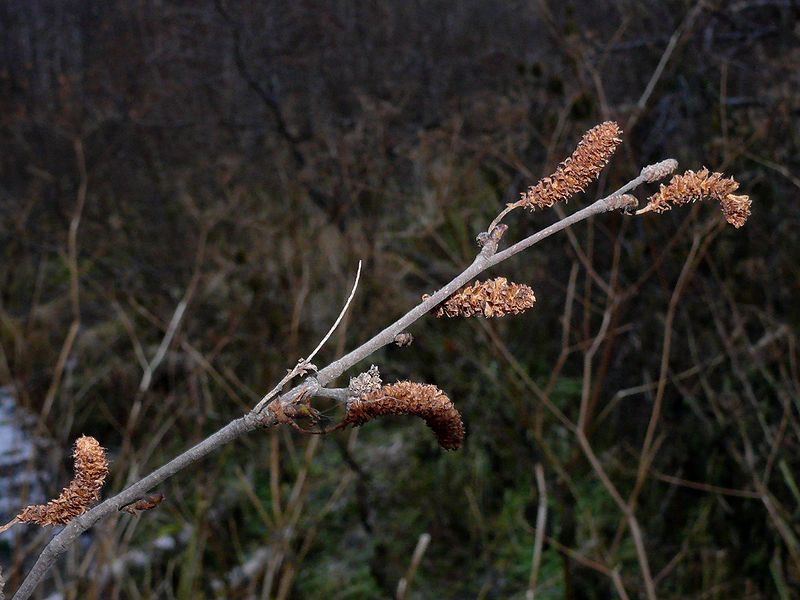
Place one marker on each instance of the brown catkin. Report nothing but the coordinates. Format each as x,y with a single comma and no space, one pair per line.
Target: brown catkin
493,298
408,398
91,468
578,171
736,209
702,185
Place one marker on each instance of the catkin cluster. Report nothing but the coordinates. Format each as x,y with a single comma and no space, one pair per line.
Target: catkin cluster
91,468
408,398
692,186
578,171
493,298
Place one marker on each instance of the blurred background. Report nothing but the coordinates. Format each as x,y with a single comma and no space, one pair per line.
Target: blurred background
187,188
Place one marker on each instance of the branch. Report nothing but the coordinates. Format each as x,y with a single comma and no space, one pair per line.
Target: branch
61,542
262,418
482,262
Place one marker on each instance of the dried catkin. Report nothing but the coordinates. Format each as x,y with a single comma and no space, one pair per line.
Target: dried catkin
91,468
366,382
493,298
408,398
578,171
701,185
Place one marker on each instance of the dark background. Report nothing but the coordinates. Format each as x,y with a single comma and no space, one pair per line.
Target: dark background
242,157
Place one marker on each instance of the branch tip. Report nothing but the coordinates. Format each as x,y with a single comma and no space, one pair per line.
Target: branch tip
659,170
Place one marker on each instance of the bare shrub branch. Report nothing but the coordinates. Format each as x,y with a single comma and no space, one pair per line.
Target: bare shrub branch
426,401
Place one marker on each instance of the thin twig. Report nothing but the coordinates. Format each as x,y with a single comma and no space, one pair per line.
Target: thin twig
9,525
579,558
633,524
405,582
541,523
705,487
74,284
340,317
305,364
655,415
685,25
177,317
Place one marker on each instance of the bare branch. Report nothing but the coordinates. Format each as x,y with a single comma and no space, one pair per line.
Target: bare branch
260,418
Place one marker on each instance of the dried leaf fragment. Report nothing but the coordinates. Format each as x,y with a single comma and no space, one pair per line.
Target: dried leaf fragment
492,298
692,186
408,398
91,468
578,171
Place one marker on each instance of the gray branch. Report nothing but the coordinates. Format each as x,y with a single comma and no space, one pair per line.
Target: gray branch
488,257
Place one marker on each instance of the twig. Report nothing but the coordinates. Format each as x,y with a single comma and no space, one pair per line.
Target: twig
587,365
630,517
340,317
177,318
541,523
405,582
685,25
579,558
705,487
655,415
480,264
9,525
172,328
74,286
305,363
61,542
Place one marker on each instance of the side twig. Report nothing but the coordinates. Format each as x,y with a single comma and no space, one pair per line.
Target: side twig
305,364
541,523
